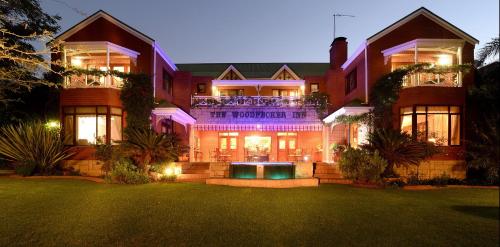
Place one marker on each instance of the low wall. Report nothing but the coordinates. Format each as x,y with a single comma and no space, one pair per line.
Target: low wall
265,183
91,168
303,170
221,170
435,168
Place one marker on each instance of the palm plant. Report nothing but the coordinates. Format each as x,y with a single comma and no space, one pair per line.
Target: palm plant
491,49
146,146
399,148
32,144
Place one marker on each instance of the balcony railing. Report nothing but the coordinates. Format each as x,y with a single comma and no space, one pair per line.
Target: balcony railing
273,101
92,81
430,79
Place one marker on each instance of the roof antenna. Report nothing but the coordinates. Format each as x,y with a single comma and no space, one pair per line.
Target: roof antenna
334,17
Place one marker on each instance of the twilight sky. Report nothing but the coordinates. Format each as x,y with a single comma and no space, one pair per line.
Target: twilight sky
206,31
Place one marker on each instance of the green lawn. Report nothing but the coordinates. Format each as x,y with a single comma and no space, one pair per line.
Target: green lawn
80,213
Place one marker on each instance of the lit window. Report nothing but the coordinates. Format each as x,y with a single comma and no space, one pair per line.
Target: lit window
314,87
233,143
437,124
88,125
282,144
223,143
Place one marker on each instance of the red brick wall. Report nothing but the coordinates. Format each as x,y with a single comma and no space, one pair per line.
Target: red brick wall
103,30
161,67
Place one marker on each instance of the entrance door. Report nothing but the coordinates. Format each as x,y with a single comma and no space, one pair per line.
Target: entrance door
287,146
228,147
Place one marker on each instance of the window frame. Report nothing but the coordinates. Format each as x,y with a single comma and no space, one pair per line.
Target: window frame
167,82
311,88
73,114
426,114
198,87
352,76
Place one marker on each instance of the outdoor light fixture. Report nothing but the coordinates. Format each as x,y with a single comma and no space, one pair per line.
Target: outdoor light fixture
444,60
173,170
76,61
52,124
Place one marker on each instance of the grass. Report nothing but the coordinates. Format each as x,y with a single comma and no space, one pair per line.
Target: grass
81,213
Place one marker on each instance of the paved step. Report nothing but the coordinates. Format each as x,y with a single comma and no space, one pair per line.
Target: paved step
192,177
326,176
334,181
195,171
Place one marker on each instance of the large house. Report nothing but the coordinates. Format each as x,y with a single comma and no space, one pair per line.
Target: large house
259,111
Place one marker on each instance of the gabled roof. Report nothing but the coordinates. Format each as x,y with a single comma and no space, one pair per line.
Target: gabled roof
255,70
429,14
287,69
231,68
421,11
102,14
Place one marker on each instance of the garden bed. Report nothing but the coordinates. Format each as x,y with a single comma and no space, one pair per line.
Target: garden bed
93,179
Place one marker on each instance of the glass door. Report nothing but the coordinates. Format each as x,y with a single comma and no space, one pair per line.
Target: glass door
287,146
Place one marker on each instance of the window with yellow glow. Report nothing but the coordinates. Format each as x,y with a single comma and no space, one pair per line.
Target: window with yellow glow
89,125
437,124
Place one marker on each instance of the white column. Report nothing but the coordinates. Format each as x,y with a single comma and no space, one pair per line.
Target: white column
459,54
326,145
417,77
107,81
191,143
65,64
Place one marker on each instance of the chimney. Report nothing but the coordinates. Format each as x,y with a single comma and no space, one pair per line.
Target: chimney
338,52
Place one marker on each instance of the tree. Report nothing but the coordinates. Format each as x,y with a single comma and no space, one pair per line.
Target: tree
491,49
23,27
399,148
483,118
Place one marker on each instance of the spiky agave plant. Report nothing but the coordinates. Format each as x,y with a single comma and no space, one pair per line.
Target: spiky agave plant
147,146
399,149
32,143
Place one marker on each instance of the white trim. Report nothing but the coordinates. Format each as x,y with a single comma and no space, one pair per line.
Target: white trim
348,111
109,18
431,16
358,51
366,74
258,127
423,44
89,45
285,67
258,82
231,67
154,71
177,114
164,55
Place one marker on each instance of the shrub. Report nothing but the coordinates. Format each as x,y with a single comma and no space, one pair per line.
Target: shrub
27,144
146,146
124,172
25,169
361,165
399,149
395,183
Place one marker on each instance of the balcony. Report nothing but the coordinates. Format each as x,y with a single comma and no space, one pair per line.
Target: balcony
97,55
429,79
252,101
443,53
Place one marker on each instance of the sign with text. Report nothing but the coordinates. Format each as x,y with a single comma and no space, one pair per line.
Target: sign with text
245,115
